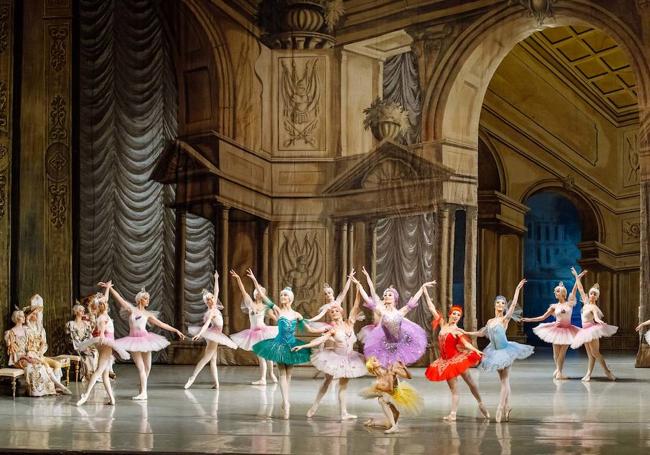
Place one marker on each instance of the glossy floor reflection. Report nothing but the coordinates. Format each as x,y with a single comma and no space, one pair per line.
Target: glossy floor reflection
547,417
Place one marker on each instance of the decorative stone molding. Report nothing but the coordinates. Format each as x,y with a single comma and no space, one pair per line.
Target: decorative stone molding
429,45
56,168
57,119
631,230
539,9
58,34
4,28
4,106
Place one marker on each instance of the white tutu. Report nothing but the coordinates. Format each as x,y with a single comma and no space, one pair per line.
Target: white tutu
337,365
591,331
554,333
247,338
365,331
142,341
212,334
97,342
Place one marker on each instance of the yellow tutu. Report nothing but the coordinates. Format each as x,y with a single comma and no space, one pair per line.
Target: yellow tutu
404,397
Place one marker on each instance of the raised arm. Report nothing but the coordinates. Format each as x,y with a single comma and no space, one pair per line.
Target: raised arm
515,299
346,288
413,301
356,308
430,304
370,302
118,298
155,321
265,298
371,285
578,284
242,289
542,317
216,284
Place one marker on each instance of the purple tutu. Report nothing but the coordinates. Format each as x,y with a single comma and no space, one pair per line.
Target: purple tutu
365,331
591,331
142,341
407,347
247,338
213,334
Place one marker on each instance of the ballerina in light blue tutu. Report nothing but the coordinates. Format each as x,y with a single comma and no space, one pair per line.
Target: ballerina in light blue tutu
500,354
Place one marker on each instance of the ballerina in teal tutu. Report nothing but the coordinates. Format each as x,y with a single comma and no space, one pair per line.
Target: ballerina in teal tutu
278,349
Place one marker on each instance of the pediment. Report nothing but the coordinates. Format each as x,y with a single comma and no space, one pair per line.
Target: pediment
389,165
179,161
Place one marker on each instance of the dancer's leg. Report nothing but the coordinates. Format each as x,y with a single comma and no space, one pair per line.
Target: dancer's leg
561,355
107,380
138,359
103,361
262,379
209,351
555,356
467,377
343,399
455,398
595,352
504,378
271,373
319,396
390,417
213,368
284,388
147,363
591,361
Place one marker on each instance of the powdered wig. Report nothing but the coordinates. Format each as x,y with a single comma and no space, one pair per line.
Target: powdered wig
78,307
561,289
392,290
16,314
141,295
595,289
289,293
36,301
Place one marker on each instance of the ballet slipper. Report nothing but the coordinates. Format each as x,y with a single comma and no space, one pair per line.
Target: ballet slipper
347,416
312,411
189,382
286,408
507,414
259,382
141,397
610,375
484,411
274,378
586,378
499,414
83,399
450,418
393,429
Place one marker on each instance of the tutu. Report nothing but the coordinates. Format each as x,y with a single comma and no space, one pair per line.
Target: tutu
498,359
278,349
591,331
443,369
107,341
404,397
364,332
330,362
247,338
647,337
212,334
396,339
142,341
556,332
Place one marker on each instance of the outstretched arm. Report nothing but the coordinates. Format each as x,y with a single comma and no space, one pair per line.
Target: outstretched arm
515,299
155,321
316,342
542,317
369,301
469,345
205,326
413,301
118,298
642,325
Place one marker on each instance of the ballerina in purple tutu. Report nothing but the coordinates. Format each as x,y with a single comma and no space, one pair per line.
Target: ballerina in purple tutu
212,332
141,343
395,339
339,360
256,310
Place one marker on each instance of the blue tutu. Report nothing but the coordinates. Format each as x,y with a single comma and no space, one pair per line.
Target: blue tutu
278,349
501,353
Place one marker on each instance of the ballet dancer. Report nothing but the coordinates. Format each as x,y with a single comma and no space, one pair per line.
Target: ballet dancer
211,331
500,354
140,343
395,338
593,328
561,332
394,396
256,310
104,342
279,349
453,362
340,361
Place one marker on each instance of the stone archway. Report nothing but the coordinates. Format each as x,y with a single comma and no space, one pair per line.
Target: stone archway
465,57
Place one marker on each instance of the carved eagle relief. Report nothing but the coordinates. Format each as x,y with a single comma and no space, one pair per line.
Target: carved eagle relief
301,267
300,91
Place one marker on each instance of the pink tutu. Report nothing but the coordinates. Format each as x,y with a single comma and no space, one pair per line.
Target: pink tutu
142,341
555,333
330,362
247,338
107,341
591,331
212,334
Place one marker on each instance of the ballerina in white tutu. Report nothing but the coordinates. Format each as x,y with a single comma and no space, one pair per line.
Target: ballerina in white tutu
339,361
103,340
593,328
141,343
211,331
258,331
560,333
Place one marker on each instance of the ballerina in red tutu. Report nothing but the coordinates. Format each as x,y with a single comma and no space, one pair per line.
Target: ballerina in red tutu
457,356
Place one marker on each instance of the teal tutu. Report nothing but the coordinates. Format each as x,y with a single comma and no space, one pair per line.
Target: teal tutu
279,351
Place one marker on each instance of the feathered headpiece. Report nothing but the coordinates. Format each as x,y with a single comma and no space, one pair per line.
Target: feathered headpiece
596,289
287,290
560,287
141,295
392,290
207,295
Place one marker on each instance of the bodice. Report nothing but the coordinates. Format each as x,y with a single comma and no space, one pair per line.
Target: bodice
343,341
497,335
391,322
287,330
448,345
587,313
256,318
563,313
216,318
78,334
138,321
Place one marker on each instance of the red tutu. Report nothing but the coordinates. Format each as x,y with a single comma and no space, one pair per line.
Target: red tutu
452,362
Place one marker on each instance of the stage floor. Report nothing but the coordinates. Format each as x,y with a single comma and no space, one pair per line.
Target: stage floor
547,417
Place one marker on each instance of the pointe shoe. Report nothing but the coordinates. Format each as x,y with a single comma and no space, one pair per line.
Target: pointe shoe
312,411
347,416
506,416
274,378
484,411
216,386
65,391
189,382
555,373
286,411
82,400
586,378
393,429
610,375
450,418
259,382
110,402
141,397
499,414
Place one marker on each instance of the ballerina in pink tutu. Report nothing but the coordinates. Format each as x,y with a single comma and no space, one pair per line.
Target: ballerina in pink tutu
141,343
103,340
395,338
256,310
560,333
211,331
339,361
593,328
